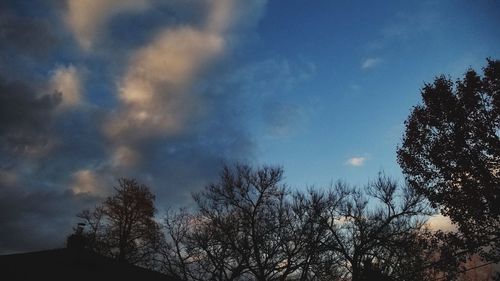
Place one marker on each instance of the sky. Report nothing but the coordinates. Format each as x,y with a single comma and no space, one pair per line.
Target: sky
169,91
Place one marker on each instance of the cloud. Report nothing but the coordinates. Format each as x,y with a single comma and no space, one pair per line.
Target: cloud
86,19
85,181
404,25
40,150
8,178
125,157
356,161
29,36
273,76
37,220
170,128
440,222
260,91
26,119
370,63
220,16
67,81
172,122
155,90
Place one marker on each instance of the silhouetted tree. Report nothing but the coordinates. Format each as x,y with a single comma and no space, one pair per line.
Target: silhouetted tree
451,154
376,232
311,222
252,207
196,249
123,227
243,229
239,229
248,226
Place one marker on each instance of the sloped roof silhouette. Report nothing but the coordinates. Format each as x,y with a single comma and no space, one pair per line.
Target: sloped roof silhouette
64,264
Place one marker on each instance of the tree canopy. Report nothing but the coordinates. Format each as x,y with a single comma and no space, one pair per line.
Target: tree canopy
123,226
451,154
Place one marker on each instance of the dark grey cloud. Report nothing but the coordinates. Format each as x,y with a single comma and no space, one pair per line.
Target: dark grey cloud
28,38
23,34
39,147
25,117
38,201
178,166
35,220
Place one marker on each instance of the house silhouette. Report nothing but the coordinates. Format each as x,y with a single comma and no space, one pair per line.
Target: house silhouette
67,264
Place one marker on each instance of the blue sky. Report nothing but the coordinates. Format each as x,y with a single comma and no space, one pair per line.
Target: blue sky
169,91
370,61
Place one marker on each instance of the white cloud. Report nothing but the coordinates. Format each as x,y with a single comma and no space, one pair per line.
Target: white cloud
67,81
86,18
84,181
155,90
370,63
440,222
125,157
356,161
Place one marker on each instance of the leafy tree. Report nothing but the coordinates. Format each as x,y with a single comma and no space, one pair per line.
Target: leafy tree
123,227
451,154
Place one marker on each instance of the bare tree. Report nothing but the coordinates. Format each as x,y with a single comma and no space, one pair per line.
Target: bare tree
123,227
199,249
310,227
249,226
377,233
242,230
254,203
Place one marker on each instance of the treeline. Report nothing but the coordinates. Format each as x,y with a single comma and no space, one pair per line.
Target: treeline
249,225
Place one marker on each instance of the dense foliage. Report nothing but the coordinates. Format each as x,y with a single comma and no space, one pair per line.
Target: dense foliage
451,154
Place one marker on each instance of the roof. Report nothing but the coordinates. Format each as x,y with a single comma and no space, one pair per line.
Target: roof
63,264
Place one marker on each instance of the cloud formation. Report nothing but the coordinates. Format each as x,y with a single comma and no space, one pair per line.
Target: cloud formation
159,109
33,220
356,161
66,80
370,63
85,181
86,19
154,92
440,222
163,102
29,36
26,119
